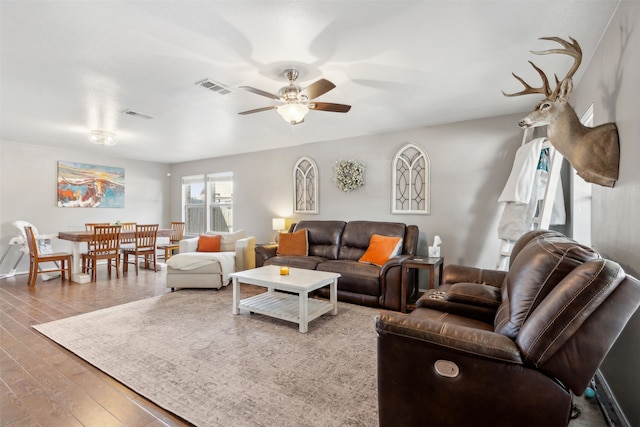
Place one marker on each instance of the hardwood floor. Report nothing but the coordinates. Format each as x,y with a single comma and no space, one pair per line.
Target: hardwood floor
42,384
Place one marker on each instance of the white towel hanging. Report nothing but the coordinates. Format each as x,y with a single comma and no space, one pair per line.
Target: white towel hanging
519,186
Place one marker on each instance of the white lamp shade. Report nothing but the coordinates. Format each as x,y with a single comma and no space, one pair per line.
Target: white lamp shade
277,224
102,137
293,112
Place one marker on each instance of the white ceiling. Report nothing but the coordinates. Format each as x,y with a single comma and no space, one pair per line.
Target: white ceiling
71,66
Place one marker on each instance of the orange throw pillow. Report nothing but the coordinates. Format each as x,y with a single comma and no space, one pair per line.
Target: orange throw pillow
293,243
380,249
209,243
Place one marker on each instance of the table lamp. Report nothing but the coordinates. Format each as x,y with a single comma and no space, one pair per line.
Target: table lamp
277,224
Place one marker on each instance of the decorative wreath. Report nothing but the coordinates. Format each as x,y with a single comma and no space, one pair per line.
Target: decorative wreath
349,175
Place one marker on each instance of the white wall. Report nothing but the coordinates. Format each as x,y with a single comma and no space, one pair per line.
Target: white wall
28,191
470,162
611,83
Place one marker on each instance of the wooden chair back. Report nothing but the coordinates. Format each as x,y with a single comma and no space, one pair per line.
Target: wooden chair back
128,226
35,258
105,244
146,236
89,226
31,241
106,240
145,246
177,231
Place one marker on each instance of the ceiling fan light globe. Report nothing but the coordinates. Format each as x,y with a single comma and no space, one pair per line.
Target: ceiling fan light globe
293,112
102,137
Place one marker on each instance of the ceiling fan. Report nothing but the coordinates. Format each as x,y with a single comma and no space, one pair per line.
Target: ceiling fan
297,102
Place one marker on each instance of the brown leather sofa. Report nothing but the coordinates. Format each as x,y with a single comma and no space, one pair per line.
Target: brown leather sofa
477,352
337,246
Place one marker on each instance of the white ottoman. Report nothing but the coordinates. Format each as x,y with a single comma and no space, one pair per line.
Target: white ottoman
207,276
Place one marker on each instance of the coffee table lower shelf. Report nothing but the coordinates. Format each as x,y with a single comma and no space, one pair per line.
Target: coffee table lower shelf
284,306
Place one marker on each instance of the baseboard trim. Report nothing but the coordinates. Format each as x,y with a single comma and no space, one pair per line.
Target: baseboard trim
608,403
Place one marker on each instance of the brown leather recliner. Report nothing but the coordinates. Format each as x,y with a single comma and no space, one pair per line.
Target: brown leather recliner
559,310
475,292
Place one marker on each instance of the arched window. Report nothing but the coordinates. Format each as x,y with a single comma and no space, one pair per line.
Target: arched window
411,181
305,186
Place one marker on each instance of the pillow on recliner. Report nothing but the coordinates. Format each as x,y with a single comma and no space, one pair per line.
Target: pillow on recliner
381,249
293,244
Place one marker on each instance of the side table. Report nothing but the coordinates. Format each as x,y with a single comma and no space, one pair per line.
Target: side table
418,262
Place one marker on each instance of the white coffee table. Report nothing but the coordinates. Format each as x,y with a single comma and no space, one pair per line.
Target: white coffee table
294,308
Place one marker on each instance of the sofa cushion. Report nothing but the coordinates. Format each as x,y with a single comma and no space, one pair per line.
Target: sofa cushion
356,277
209,243
323,236
380,249
293,243
210,268
306,262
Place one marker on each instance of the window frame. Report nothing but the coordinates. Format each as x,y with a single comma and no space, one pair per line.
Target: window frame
305,186
205,220
405,173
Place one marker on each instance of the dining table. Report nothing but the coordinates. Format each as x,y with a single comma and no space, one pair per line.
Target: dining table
83,236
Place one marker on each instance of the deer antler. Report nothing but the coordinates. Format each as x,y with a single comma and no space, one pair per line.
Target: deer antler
570,48
544,89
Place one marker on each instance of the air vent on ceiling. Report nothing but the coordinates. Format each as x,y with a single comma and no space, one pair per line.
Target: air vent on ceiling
137,114
214,86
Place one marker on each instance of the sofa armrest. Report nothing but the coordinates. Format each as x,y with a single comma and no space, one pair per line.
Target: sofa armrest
392,262
474,294
264,252
391,283
458,273
189,245
448,336
245,253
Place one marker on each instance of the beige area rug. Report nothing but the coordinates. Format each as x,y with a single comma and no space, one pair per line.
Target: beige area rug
186,352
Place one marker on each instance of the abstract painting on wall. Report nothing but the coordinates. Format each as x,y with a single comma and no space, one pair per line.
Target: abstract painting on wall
90,186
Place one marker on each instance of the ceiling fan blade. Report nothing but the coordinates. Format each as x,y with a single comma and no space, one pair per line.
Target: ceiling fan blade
260,92
318,88
328,106
257,110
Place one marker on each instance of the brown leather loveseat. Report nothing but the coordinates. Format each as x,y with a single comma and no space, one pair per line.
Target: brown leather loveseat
504,353
337,246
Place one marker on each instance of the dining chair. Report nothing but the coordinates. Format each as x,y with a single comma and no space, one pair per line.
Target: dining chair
144,246
90,226
177,233
127,226
104,245
36,258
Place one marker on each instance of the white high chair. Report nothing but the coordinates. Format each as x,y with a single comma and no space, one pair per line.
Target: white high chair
44,247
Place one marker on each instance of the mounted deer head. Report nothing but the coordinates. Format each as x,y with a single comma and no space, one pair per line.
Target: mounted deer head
593,152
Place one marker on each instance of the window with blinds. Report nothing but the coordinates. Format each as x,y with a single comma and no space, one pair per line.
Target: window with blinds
207,202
